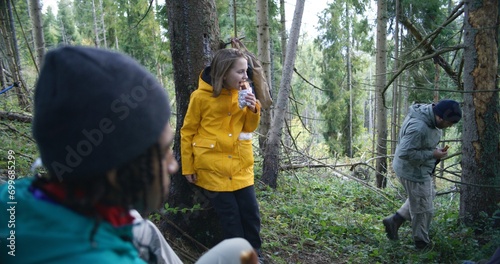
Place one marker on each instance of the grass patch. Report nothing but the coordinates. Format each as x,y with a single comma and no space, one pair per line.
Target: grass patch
315,217
17,137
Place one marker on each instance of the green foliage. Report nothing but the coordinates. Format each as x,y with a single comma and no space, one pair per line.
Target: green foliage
138,31
50,32
17,137
427,16
226,19
66,17
342,220
246,22
84,21
335,22
174,210
128,26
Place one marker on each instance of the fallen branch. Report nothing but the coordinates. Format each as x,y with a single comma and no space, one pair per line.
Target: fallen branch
339,174
15,117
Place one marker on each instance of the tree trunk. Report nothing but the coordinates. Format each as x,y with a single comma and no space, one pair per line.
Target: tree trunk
194,36
264,56
36,16
103,25
481,147
13,59
288,117
395,86
96,30
380,81
272,151
283,35
349,80
2,76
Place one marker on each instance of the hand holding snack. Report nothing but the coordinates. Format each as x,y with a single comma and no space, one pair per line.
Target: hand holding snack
242,94
246,97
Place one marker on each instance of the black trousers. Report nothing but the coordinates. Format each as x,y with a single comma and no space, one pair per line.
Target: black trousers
238,214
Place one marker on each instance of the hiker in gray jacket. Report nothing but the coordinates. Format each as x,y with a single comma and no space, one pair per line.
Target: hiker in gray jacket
416,156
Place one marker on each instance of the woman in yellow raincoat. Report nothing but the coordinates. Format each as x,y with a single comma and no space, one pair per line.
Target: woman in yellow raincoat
216,143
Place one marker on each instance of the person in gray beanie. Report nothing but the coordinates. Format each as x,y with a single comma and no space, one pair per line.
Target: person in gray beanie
417,153
101,123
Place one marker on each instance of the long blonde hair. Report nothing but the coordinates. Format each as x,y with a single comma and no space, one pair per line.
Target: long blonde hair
221,63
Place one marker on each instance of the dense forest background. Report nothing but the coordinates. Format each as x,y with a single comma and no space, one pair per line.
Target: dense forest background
323,198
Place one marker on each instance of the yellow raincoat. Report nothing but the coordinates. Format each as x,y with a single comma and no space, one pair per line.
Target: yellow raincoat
210,144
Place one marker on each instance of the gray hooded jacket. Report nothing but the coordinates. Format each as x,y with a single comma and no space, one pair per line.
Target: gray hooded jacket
418,138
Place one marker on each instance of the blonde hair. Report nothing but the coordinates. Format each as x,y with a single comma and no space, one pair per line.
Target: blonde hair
221,63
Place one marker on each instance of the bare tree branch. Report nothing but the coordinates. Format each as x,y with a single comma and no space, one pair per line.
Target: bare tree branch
15,117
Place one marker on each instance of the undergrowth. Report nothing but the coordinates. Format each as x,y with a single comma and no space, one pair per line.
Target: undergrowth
316,217
16,137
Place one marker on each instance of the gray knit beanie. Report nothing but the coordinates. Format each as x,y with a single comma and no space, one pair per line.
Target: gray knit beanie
94,111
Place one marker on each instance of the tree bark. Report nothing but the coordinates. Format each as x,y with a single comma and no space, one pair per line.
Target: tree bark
349,151
380,80
395,87
194,36
8,32
287,141
481,146
2,76
96,30
104,38
36,16
264,56
273,149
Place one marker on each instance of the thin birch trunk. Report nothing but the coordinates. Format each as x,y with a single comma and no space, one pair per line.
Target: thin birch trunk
264,56
273,149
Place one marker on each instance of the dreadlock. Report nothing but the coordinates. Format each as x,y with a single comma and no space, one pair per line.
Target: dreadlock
134,181
136,177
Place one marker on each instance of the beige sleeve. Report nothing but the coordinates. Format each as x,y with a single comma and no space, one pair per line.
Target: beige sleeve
150,242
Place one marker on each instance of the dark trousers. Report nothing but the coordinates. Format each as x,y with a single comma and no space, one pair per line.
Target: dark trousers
238,214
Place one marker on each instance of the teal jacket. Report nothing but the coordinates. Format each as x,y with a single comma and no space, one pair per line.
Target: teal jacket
37,231
418,138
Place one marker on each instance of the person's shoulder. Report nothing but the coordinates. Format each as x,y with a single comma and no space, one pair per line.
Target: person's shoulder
13,186
204,90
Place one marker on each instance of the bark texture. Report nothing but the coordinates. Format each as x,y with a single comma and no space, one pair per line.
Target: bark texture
273,149
381,111
481,146
194,36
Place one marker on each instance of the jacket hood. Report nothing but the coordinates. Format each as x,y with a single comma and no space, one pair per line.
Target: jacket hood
205,75
423,112
205,80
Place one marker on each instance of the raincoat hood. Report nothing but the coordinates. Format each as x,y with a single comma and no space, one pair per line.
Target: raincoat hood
424,113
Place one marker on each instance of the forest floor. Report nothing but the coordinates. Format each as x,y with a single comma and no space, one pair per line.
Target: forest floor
314,216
